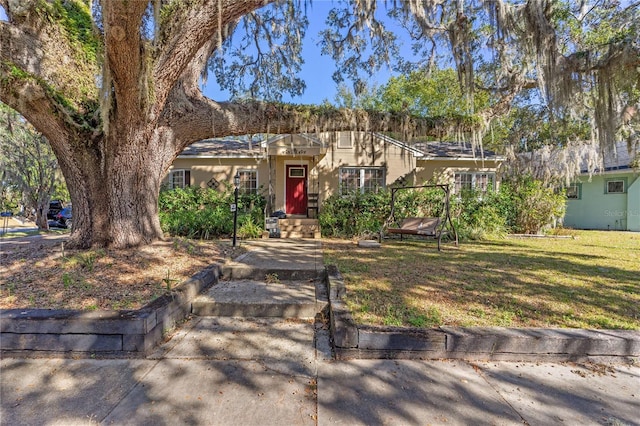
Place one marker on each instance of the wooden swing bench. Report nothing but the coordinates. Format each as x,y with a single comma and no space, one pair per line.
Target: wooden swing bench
425,226
433,227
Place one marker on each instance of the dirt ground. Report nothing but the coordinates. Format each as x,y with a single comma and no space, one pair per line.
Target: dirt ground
41,273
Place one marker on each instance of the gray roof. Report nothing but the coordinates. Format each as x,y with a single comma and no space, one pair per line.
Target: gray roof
452,150
234,148
224,148
621,159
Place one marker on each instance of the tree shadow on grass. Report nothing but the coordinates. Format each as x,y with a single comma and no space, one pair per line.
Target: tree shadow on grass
484,284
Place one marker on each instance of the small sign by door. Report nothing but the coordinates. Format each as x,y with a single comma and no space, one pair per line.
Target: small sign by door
271,223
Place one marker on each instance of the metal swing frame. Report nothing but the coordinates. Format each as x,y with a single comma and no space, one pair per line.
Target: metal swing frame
444,226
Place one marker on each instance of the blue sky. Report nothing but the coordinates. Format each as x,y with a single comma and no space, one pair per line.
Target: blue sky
316,70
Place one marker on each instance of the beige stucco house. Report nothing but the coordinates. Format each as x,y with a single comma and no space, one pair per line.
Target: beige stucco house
293,171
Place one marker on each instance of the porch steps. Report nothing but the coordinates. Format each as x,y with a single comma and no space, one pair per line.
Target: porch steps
251,298
299,228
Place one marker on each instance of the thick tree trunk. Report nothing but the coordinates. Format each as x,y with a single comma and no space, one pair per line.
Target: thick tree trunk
115,190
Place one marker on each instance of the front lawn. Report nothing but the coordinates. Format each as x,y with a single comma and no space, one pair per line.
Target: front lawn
590,281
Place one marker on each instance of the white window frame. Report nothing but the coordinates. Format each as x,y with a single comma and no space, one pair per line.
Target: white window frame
476,181
345,137
301,168
361,179
254,172
609,181
182,173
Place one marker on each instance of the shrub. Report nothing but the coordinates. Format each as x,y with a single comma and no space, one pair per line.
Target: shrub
521,205
204,213
529,206
354,214
249,229
476,215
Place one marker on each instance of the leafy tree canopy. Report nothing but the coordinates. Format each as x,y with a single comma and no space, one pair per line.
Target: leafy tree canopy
114,85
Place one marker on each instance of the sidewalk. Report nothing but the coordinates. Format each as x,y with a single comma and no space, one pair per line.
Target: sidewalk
274,371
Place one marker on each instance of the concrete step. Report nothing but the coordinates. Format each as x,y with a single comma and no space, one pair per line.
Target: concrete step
297,222
297,234
299,228
253,298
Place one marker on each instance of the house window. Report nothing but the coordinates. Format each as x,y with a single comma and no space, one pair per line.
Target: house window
363,179
474,181
248,181
344,140
296,172
574,191
179,179
615,186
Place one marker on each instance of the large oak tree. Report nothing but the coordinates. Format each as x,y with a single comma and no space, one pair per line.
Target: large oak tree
114,86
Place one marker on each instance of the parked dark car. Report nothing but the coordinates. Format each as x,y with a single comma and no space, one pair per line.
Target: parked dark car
55,207
64,217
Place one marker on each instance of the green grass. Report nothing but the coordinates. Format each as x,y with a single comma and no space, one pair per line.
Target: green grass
591,281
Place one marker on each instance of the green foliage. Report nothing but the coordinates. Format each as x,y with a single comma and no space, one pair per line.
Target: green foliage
75,17
477,215
529,128
432,94
248,228
272,43
425,202
354,213
529,206
522,205
429,94
205,213
29,169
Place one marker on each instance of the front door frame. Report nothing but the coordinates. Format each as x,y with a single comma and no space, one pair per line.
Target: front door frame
295,163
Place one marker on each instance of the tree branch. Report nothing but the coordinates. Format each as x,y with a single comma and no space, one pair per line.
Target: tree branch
124,50
30,99
46,57
183,43
192,117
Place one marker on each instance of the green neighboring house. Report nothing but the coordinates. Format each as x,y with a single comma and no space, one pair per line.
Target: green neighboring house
610,200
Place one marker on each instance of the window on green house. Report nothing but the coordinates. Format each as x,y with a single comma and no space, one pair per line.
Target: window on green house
574,191
615,186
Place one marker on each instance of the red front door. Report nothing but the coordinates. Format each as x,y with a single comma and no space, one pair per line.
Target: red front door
296,189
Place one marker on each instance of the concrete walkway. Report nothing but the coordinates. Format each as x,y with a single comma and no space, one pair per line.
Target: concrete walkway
280,371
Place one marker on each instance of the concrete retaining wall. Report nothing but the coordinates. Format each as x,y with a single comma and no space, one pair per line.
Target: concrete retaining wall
473,343
101,332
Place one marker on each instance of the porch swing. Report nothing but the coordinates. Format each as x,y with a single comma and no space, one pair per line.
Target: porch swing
430,227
